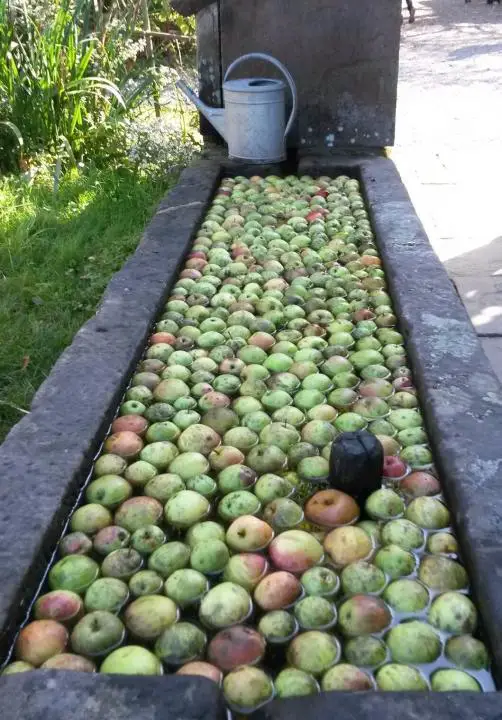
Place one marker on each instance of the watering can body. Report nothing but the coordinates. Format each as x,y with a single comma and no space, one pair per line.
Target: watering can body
253,119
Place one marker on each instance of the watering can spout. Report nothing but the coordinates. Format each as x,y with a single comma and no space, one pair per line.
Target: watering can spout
216,116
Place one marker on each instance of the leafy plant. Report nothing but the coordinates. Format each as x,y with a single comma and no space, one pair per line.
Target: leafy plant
63,77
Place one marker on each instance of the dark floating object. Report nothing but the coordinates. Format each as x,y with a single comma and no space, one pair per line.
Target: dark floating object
356,464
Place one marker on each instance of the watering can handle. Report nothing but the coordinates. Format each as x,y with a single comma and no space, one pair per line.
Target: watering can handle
285,72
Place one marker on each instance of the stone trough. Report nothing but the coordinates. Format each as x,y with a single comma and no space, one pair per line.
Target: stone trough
346,116
46,458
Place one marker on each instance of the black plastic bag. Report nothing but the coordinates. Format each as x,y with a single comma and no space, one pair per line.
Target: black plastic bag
356,464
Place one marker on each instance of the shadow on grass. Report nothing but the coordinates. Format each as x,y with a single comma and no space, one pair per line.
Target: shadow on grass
57,254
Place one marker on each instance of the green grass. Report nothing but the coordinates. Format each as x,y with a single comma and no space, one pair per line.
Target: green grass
57,254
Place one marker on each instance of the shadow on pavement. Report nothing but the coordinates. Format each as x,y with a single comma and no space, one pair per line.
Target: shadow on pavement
477,275
453,12
440,15
469,51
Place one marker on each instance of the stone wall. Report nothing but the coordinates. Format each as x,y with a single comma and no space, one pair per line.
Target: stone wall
342,54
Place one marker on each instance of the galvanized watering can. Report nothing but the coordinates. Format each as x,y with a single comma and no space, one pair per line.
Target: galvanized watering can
252,120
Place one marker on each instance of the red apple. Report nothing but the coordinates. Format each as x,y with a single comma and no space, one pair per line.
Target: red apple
69,661
331,508
262,339
277,590
202,669
363,314
238,645
190,273
295,551
418,484
64,606
162,337
134,423
41,640
393,467
195,264
126,444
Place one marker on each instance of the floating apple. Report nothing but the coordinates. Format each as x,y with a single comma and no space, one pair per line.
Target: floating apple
181,643
63,606
331,508
169,557
395,562
131,660
74,573
413,642
362,577
69,661
40,640
76,543
419,483
454,613
18,666
97,634
363,615
225,605
442,543
315,613
277,590
248,533
235,646
186,586
295,551
346,677
394,467
467,652
125,444
395,677
90,518
247,688
209,557
186,508
147,617
246,569
138,512
314,652
292,682
225,456
366,651
107,593
448,680
110,538
346,545
406,596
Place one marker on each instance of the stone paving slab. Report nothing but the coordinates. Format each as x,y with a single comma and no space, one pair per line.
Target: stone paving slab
478,278
493,351
449,145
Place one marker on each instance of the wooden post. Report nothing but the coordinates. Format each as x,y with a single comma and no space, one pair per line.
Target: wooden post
149,51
